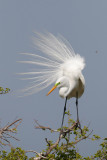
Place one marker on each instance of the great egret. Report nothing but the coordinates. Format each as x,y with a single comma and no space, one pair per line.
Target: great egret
59,65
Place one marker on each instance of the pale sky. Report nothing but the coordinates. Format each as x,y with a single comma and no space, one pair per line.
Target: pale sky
84,24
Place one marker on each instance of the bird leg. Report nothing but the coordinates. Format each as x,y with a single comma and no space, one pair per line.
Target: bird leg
78,122
64,113
77,109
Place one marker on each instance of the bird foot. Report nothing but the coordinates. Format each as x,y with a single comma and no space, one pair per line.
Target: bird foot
78,125
62,131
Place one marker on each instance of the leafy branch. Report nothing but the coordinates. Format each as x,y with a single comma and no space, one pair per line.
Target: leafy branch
63,142
4,91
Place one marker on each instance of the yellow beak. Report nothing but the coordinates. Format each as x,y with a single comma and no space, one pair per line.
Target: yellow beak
51,89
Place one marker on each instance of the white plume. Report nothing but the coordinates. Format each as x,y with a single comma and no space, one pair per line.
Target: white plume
57,54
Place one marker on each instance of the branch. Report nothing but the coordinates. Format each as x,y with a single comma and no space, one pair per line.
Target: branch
75,142
51,147
6,131
39,154
62,134
44,128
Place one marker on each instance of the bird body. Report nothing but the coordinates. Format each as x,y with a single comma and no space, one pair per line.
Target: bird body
72,80
59,63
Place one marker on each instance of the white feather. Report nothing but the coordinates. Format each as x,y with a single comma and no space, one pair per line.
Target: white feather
58,56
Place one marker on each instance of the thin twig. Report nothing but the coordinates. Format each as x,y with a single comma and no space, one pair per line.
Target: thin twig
6,131
39,154
44,128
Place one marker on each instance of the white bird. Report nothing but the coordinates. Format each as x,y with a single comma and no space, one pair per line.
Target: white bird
59,64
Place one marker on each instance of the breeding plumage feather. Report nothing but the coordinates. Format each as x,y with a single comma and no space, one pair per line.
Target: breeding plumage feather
58,59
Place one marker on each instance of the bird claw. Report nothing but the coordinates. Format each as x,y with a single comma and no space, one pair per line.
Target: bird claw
78,125
62,132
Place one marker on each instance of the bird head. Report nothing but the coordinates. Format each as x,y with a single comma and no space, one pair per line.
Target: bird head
62,82
53,88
